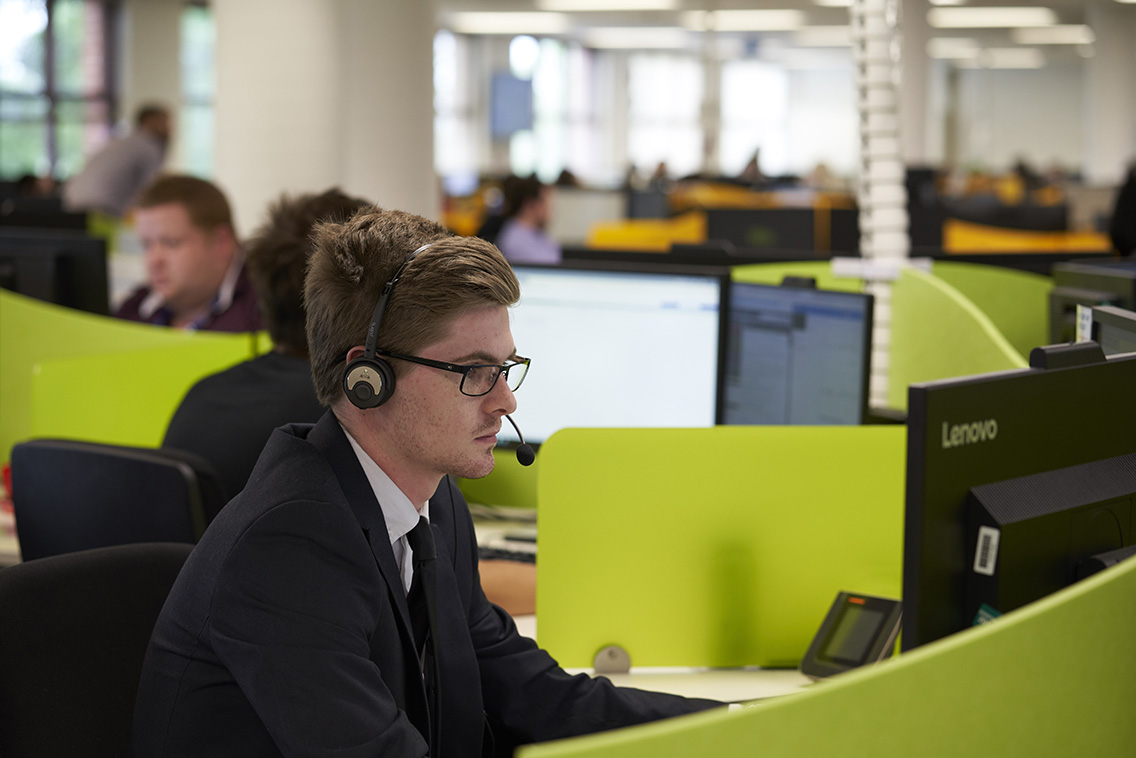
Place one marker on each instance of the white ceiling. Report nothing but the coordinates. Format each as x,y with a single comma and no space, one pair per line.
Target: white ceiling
1068,12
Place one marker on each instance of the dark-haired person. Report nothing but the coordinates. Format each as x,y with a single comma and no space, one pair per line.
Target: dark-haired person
227,417
528,207
333,607
112,178
195,274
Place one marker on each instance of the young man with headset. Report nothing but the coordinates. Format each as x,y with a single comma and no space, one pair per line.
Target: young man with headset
334,608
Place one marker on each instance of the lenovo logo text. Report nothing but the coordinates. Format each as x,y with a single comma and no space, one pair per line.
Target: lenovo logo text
968,434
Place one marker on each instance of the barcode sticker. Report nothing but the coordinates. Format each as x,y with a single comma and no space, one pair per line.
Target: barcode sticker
986,551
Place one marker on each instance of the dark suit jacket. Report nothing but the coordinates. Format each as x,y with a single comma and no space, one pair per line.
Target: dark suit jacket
287,633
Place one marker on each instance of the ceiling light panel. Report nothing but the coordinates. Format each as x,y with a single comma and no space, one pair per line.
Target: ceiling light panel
492,22
606,5
766,20
990,18
1062,34
636,38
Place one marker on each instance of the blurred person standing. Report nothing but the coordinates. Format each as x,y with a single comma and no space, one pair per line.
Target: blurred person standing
113,177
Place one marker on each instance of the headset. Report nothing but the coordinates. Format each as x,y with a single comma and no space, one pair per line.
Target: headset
369,379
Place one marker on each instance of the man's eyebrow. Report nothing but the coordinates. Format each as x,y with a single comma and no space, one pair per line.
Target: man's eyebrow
483,357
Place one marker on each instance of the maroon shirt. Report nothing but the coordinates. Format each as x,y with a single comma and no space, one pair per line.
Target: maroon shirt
242,315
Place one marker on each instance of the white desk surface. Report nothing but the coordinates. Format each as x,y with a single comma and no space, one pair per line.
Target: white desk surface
729,685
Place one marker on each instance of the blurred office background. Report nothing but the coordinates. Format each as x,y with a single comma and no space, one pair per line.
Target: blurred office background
419,103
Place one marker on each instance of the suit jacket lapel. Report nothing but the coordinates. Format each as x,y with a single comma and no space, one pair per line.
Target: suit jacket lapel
328,438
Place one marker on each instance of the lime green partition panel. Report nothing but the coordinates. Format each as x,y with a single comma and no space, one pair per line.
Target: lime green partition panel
938,333
1017,302
712,547
1056,678
125,398
32,332
510,483
773,273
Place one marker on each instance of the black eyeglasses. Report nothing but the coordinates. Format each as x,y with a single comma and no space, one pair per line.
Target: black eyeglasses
477,379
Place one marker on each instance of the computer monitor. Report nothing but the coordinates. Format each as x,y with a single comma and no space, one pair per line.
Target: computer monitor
1033,535
796,355
973,431
633,348
1114,329
1088,283
66,268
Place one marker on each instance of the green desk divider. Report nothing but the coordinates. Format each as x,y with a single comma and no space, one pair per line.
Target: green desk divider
1055,678
774,273
712,547
938,333
1017,302
34,332
125,398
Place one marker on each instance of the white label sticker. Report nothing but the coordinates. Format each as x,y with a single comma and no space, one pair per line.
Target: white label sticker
1084,329
986,551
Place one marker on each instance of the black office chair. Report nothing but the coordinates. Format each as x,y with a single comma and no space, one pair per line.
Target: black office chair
70,495
73,633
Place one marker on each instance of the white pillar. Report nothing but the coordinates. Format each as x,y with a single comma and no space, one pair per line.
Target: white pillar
915,84
388,103
149,61
1110,101
319,93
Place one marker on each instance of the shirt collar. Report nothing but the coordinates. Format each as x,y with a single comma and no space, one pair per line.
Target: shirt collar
399,513
153,302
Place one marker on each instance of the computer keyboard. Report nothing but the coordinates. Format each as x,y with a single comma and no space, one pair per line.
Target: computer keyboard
501,554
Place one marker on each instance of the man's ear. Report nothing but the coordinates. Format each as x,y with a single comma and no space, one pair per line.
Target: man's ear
224,242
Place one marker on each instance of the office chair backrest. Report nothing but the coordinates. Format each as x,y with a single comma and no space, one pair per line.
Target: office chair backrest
73,633
70,495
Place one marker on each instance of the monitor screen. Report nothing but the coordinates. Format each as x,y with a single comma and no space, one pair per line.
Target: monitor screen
1114,329
972,431
616,349
796,356
62,267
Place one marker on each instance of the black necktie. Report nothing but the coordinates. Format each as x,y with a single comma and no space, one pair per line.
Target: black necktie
422,600
423,605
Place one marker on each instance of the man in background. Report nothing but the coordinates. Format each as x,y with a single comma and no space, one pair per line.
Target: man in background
196,277
226,418
523,238
114,176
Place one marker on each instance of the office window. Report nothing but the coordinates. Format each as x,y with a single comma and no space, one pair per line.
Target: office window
564,133
755,116
57,98
198,89
665,94
455,135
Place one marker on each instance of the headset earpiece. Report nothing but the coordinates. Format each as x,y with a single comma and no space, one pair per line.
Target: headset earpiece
368,382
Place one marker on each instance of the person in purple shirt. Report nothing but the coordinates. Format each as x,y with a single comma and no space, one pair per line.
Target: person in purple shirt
527,210
196,277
